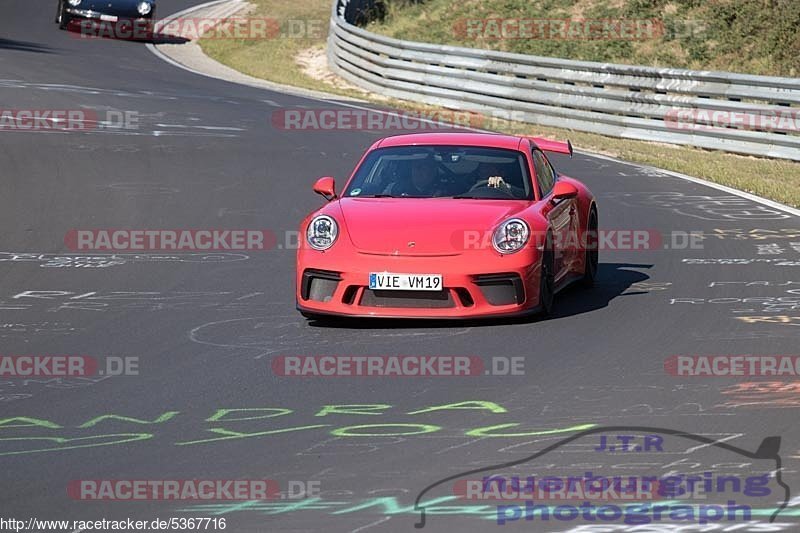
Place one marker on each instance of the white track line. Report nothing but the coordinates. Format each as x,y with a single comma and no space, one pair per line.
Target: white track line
334,99
161,55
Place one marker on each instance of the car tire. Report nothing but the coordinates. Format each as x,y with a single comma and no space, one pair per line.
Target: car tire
63,20
592,259
547,280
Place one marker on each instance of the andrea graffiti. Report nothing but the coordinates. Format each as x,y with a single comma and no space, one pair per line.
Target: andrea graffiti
258,422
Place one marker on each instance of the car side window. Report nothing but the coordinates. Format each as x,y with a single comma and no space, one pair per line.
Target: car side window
544,172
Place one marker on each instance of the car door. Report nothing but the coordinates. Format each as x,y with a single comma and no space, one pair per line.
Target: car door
561,215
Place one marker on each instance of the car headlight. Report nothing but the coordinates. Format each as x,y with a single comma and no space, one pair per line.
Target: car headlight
74,3
511,236
144,8
322,232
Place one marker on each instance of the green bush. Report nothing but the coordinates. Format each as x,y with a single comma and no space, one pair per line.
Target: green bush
750,36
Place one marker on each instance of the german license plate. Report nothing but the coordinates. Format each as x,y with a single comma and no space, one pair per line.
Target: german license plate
389,281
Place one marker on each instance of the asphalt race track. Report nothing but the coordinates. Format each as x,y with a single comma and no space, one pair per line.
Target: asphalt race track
204,154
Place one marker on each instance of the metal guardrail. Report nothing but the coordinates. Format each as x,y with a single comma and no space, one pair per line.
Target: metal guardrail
760,114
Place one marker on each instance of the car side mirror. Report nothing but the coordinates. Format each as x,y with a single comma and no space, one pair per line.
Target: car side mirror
326,186
564,190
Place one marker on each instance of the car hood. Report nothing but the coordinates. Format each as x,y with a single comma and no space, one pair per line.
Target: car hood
435,226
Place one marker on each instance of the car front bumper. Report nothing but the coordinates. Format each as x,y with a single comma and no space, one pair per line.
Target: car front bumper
506,286
105,17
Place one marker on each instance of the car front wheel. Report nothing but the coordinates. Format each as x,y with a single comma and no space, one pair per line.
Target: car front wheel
62,18
547,283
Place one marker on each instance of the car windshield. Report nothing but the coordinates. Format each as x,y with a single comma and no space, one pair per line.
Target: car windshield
442,172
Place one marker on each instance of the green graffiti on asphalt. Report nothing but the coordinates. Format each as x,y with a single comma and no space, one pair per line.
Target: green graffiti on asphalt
121,438
248,422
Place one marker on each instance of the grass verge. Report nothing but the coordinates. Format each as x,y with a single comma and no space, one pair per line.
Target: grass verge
751,36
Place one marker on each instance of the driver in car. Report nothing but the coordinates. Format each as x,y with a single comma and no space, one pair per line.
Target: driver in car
423,182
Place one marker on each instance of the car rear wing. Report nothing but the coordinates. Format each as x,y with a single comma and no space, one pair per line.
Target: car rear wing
549,145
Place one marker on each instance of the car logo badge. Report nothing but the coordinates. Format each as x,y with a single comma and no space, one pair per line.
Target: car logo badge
411,244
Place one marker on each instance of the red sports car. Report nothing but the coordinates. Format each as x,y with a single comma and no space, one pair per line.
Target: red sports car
447,225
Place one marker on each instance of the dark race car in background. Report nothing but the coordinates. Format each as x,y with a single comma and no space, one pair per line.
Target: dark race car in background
137,13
